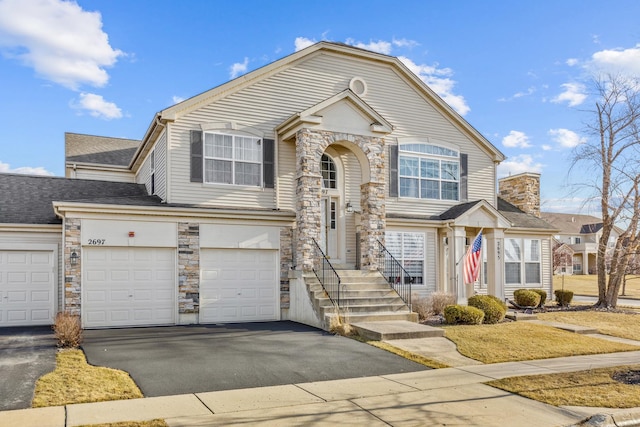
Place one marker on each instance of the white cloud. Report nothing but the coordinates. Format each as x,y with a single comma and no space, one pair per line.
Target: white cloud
516,139
405,43
238,68
177,99
62,42
518,164
623,61
302,42
517,95
439,80
572,62
96,106
26,170
546,147
574,205
573,94
566,138
380,46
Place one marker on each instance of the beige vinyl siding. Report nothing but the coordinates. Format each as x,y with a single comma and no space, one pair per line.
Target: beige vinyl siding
545,261
286,182
21,239
352,180
161,166
143,176
269,102
103,175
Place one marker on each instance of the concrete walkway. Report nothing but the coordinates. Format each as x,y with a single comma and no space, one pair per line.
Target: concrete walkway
451,396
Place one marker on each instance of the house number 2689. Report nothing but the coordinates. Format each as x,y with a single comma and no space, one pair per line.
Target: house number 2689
96,241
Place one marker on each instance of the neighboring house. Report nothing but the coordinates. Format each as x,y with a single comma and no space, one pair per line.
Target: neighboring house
582,234
214,215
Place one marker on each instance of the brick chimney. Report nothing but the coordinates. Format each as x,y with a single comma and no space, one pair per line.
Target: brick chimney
523,191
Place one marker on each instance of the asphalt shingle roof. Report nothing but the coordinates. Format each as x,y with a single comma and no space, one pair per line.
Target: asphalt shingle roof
571,223
99,149
27,199
520,219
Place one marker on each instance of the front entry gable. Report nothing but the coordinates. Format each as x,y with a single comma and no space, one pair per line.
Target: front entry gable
344,112
478,214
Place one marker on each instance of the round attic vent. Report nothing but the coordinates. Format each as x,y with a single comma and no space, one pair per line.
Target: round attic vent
358,86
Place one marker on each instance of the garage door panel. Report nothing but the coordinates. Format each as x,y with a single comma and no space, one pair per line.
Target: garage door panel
238,285
139,289
27,283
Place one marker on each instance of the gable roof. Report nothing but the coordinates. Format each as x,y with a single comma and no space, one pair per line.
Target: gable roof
174,112
27,199
572,223
101,150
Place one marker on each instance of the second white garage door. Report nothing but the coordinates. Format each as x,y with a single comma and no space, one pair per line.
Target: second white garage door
239,285
128,287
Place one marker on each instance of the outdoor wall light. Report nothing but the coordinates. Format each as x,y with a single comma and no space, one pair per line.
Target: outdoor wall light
74,258
349,207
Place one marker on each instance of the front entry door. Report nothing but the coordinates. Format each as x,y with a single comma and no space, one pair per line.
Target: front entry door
329,227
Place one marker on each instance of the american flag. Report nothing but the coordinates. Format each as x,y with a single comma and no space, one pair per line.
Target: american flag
471,264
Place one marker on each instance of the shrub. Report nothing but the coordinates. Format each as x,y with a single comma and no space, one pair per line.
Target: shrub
422,306
526,298
68,330
439,300
563,298
463,315
543,296
494,309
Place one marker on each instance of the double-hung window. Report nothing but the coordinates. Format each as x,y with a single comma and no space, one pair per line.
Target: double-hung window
429,171
232,159
522,255
409,250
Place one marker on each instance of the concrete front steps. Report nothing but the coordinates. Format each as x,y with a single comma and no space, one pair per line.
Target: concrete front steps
364,297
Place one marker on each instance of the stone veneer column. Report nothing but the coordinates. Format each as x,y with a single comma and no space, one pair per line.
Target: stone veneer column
286,261
373,223
72,273
188,272
310,145
309,149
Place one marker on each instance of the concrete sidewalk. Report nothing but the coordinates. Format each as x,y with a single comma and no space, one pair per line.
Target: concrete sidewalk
451,396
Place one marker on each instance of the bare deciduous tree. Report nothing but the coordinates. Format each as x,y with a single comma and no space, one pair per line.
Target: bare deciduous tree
613,156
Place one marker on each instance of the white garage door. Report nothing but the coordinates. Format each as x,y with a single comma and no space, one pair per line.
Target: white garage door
128,287
27,288
239,285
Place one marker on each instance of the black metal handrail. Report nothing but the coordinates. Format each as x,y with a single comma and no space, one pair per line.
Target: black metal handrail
326,274
399,279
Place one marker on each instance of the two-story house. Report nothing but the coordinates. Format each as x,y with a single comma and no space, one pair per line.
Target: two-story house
582,234
222,211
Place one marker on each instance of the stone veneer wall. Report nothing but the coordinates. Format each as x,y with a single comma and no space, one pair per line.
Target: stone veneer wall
310,145
72,273
286,262
523,191
188,267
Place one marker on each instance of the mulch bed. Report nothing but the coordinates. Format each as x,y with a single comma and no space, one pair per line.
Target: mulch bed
628,377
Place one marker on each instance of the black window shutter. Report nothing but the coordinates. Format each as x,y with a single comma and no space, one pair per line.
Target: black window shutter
464,170
196,156
268,162
393,171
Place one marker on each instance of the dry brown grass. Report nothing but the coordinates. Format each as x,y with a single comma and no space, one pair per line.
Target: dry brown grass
408,355
152,423
623,325
593,388
587,284
75,381
516,341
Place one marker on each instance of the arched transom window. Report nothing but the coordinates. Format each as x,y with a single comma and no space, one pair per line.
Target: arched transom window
429,171
328,169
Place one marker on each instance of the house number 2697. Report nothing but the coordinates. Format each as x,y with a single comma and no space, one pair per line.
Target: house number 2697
96,241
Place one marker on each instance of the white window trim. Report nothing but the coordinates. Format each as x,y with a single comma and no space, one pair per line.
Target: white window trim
523,262
424,156
233,160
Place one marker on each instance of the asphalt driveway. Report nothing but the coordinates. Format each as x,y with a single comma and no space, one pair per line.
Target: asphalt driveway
25,355
191,359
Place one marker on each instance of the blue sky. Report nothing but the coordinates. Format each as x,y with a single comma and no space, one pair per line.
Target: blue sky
518,71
